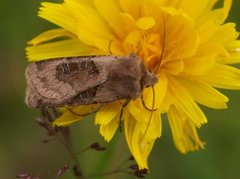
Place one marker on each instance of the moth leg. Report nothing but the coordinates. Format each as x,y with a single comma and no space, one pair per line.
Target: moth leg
145,106
50,113
121,113
109,47
85,114
46,114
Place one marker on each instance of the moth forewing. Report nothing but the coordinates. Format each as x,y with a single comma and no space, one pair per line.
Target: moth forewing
85,80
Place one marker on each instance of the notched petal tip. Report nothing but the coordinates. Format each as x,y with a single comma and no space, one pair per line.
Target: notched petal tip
146,23
184,132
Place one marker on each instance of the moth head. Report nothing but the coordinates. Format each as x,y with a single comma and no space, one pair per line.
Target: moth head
150,79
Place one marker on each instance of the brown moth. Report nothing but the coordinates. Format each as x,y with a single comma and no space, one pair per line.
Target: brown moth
74,81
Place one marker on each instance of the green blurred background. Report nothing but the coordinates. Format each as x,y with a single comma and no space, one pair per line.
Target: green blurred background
21,149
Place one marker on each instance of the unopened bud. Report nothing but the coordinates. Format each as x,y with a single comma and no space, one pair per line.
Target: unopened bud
24,176
97,146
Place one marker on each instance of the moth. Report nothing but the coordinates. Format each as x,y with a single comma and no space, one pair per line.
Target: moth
74,81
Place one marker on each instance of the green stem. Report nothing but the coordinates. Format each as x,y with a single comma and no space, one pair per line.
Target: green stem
105,158
68,145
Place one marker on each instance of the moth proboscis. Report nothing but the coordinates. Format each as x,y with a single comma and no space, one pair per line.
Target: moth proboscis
74,81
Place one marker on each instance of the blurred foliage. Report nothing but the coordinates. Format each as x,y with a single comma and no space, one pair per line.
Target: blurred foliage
21,149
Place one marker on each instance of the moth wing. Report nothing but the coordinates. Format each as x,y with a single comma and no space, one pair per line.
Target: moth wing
57,81
31,98
123,82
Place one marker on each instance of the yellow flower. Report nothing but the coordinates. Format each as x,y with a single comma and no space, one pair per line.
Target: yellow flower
187,39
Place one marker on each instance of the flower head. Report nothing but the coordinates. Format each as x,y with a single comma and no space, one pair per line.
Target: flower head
186,44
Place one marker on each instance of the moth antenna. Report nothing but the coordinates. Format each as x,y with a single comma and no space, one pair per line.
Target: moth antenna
121,113
145,106
109,47
85,114
151,115
163,45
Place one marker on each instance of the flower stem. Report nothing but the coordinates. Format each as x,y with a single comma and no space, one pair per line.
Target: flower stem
104,160
65,138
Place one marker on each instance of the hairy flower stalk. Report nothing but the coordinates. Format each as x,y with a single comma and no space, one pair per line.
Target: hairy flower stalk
185,42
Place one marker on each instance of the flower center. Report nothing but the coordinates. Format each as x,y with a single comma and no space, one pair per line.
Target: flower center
149,47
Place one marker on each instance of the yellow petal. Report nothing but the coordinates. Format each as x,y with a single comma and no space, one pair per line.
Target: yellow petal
233,60
135,110
66,119
160,91
73,115
184,45
87,20
204,93
198,65
153,127
50,35
146,23
138,8
225,34
108,117
230,53
108,130
132,38
184,132
226,7
184,102
131,42
139,145
219,15
193,8
174,67
131,7
210,50
166,103
89,38
111,13
64,48
233,47
89,3
211,4
223,76
129,22
107,113
206,30
58,14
